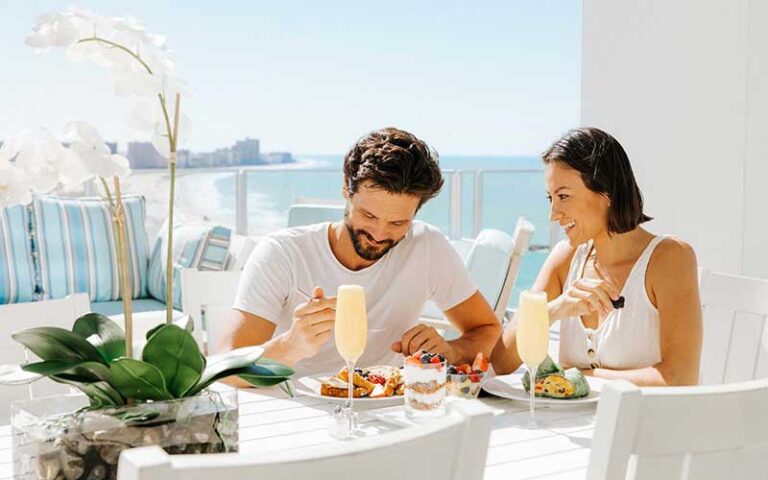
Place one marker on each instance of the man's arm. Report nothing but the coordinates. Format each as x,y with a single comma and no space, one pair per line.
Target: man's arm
479,327
311,328
477,323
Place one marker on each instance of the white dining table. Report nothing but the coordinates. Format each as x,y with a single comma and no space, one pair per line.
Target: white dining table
271,421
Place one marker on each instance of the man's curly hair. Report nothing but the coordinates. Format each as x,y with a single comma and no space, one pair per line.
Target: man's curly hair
396,161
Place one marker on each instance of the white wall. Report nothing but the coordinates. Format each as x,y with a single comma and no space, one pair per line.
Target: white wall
683,85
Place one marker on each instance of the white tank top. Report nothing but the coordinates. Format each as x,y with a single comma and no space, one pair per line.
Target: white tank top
628,337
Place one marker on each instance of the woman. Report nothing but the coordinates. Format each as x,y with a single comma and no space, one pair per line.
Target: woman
654,339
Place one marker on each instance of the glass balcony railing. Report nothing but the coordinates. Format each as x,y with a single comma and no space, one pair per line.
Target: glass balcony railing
256,202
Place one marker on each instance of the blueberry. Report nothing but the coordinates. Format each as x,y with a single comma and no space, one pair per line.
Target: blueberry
452,370
425,359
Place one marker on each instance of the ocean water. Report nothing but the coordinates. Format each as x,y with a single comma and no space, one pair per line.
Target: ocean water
209,195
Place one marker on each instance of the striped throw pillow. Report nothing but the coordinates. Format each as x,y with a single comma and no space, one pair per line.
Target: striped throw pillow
17,271
204,247
77,251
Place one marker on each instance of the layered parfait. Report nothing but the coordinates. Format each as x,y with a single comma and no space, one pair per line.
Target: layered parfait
425,375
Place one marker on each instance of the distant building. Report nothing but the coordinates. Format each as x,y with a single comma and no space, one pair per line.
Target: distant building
144,155
246,152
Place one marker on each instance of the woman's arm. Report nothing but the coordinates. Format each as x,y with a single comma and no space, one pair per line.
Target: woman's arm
674,288
504,357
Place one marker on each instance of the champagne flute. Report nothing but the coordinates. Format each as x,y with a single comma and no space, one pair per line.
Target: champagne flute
351,332
532,337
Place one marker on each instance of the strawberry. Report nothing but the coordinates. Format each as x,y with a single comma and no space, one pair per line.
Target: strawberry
480,363
435,360
464,368
475,378
373,378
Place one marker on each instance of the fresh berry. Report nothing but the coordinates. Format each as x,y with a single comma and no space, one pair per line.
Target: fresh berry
373,378
452,370
425,359
435,360
480,363
464,368
475,378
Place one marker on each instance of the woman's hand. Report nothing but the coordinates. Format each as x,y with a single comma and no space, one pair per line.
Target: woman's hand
584,297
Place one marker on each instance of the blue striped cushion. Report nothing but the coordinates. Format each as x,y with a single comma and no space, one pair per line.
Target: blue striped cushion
204,247
77,251
17,272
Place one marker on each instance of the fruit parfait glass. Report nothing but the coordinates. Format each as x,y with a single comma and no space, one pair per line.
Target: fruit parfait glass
465,380
424,374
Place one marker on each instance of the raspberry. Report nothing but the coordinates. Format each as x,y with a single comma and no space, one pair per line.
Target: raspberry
373,378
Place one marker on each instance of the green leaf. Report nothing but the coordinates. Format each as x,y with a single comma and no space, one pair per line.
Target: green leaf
154,330
288,388
222,364
184,322
103,333
264,372
175,353
85,372
139,380
58,344
101,394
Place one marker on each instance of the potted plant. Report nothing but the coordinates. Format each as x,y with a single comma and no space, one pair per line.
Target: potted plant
163,395
162,399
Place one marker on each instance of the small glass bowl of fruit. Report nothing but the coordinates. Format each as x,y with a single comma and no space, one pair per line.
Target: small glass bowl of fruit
465,380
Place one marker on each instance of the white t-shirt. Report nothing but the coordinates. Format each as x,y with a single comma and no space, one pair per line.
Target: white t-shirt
423,266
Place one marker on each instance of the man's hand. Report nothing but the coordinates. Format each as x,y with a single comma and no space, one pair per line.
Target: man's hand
312,325
422,337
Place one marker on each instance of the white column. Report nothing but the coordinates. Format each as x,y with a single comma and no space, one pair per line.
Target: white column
683,85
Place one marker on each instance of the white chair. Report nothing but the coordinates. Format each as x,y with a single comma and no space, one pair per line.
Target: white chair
208,295
493,264
453,447
735,346
20,316
702,432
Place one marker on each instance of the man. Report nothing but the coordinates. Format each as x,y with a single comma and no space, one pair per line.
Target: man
388,175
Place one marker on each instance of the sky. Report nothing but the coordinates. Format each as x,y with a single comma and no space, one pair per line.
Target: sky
471,78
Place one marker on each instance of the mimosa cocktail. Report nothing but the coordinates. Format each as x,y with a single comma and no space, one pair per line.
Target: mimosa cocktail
351,332
532,335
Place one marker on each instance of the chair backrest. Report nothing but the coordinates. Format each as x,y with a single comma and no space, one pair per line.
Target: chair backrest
703,432
206,291
494,261
452,447
19,316
308,214
735,346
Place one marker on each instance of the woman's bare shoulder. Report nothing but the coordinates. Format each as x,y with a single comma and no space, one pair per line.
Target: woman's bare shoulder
672,260
560,258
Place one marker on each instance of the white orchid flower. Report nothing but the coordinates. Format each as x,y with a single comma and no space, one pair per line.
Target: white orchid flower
93,153
52,30
13,186
35,160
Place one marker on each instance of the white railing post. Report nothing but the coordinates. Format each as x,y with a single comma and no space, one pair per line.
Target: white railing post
477,204
455,218
241,203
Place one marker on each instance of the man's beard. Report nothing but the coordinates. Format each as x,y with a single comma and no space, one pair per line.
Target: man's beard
367,253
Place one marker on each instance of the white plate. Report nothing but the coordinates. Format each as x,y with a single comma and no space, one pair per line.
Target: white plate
511,386
310,386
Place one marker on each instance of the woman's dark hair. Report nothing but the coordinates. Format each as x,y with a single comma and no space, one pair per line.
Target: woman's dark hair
395,161
605,169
